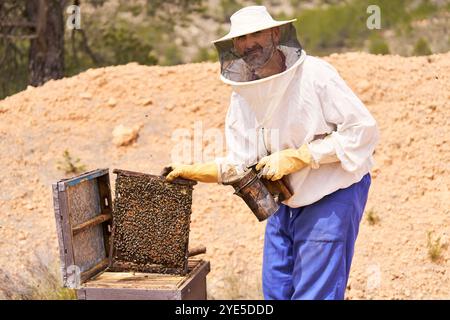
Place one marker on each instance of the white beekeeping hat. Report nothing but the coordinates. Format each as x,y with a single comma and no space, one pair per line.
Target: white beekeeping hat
251,19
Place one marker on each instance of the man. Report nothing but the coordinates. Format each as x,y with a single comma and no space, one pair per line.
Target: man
295,117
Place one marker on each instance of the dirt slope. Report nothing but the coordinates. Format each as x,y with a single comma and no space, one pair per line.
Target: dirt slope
409,97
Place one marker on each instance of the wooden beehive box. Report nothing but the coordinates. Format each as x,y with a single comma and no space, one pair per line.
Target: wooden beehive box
83,212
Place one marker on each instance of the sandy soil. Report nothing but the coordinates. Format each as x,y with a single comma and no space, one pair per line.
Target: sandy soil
409,97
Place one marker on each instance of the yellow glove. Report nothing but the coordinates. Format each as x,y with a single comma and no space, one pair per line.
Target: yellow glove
203,172
284,162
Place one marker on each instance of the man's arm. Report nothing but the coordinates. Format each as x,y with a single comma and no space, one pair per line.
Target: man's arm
356,133
352,143
222,169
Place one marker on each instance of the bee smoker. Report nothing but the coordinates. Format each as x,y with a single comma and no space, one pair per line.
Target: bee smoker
262,196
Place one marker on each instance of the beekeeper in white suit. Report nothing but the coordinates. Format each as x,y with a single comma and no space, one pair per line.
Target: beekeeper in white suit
295,117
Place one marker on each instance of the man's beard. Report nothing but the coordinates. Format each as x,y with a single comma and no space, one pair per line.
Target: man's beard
257,56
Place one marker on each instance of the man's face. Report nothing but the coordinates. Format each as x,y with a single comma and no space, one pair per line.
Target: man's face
257,48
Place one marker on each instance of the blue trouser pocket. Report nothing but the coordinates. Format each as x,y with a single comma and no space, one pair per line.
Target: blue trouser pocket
308,250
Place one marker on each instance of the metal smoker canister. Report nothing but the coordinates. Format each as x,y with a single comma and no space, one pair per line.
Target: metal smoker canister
262,196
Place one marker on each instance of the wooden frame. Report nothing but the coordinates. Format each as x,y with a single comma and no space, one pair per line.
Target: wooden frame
68,229
118,264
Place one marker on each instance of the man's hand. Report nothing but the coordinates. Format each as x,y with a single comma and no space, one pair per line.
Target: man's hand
203,172
284,162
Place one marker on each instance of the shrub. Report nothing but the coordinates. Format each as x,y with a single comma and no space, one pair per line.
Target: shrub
422,48
372,217
69,164
435,247
206,54
377,45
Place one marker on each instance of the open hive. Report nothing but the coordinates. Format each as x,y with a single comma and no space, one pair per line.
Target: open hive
151,220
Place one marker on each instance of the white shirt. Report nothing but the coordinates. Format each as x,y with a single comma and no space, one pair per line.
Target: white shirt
302,105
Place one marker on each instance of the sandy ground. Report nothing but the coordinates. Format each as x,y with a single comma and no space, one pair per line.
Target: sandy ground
409,97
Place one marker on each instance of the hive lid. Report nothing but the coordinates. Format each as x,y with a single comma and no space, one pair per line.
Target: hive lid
83,213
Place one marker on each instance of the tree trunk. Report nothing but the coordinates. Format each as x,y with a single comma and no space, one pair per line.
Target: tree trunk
46,55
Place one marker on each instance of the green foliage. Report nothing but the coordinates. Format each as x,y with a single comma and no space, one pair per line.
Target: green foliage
340,26
422,48
295,3
147,41
425,9
70,165
126,45
75,60
172,11
147,37
134,8
322,30
171,56
393,13
228,7
13,66
97,3
206,54
116,42
378,45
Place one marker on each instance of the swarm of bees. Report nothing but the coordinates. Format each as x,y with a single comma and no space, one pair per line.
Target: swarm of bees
151,220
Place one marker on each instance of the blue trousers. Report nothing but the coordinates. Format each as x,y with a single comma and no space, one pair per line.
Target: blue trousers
308,250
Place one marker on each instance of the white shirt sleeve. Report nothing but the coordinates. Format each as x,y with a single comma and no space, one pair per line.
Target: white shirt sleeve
356,135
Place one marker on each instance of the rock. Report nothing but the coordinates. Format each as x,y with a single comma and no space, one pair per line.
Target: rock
112,102
86,95
363,86
387,161
123,136
170,106
147,102
375,171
